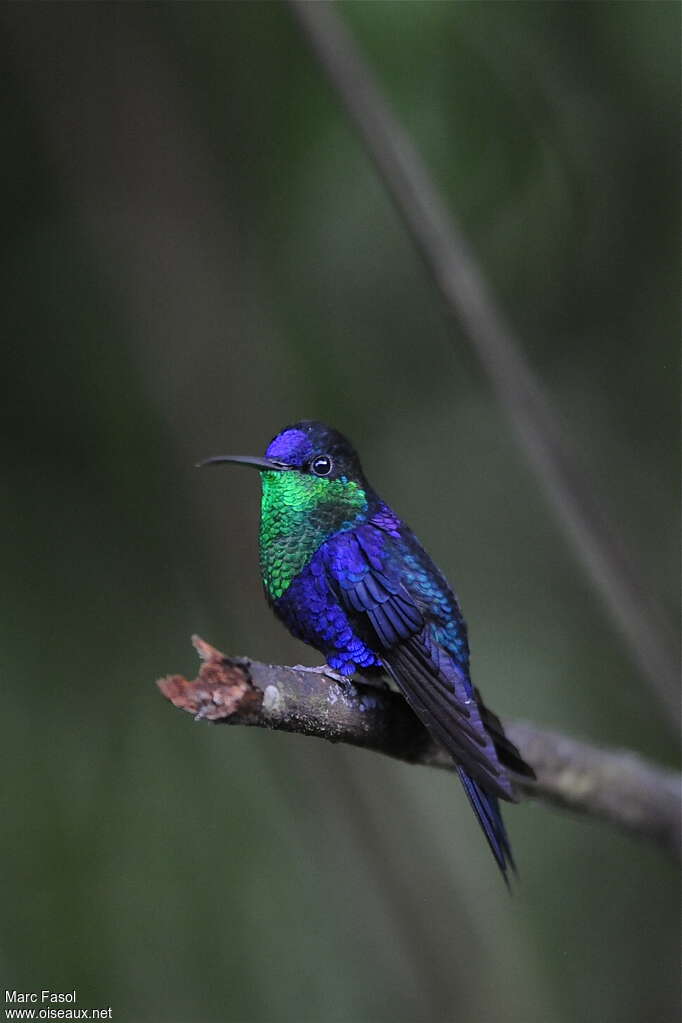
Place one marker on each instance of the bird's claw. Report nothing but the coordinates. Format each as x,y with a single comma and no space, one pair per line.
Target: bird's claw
323,669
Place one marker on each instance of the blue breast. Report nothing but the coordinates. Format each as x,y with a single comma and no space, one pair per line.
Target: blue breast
312,612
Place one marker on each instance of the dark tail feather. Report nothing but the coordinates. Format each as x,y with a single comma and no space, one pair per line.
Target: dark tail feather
505,748
487,809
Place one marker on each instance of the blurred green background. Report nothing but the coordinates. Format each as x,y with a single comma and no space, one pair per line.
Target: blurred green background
196,252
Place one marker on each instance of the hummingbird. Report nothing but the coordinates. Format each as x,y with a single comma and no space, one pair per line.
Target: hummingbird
348,577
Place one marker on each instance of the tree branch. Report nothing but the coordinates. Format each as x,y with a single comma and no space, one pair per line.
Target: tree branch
450,260
616,786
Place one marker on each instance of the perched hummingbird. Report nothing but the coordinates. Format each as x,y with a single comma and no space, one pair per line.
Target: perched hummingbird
346,575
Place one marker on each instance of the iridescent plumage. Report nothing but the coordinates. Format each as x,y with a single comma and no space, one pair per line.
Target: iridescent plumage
348,577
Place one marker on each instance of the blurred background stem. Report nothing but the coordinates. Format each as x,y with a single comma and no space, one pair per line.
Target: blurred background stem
622,583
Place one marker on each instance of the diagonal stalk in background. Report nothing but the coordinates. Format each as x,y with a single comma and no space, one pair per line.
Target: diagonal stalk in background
450,260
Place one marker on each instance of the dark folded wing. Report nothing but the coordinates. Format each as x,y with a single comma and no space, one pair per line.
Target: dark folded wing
431,681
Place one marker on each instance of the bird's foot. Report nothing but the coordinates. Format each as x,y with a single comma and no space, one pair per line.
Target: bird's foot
323,669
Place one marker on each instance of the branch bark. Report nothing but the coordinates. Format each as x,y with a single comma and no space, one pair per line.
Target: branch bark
617,786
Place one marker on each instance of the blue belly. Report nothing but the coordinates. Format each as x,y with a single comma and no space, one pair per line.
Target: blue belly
313,614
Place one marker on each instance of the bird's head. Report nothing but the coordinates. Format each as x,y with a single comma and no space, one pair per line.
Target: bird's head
309,471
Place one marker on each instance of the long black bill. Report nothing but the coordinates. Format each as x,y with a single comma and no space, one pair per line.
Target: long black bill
252,460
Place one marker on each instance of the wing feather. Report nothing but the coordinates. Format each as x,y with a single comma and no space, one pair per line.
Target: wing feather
429,678
404,631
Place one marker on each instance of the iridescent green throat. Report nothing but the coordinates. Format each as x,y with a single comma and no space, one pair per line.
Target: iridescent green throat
298,513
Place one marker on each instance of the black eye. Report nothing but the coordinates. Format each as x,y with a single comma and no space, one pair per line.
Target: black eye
321,465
